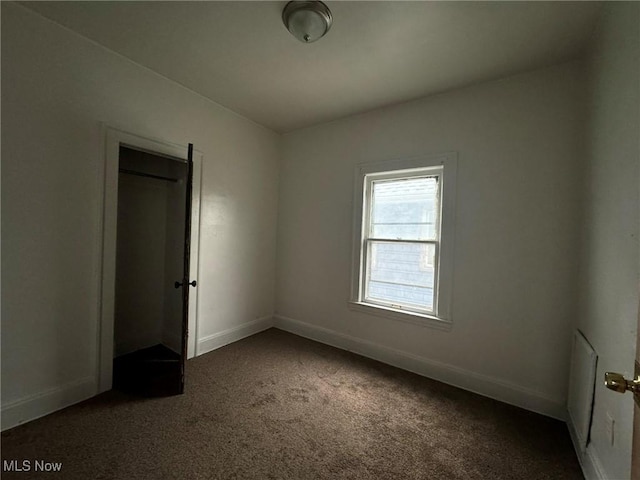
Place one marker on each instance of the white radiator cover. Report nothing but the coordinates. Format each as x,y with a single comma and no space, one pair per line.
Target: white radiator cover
581,388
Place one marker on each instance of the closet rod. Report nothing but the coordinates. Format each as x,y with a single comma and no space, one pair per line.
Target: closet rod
149,175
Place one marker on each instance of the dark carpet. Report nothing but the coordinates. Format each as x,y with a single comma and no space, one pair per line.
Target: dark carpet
277,406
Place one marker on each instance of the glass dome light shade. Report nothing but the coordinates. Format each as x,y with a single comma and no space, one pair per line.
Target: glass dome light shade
308,21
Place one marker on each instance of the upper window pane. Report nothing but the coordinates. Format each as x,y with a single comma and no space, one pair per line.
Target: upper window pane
405,209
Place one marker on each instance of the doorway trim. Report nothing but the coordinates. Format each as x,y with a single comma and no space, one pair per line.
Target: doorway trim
114,138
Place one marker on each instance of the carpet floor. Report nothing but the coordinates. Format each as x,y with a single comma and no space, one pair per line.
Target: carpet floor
277,406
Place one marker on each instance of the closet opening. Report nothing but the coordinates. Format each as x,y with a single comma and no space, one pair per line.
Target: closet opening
152,272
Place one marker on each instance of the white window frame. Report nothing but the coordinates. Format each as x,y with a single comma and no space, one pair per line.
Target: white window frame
445,167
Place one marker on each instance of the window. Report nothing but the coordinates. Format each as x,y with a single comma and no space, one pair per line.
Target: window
403,239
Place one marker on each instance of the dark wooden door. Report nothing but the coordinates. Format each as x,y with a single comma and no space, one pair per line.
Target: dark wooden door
635,452
187,283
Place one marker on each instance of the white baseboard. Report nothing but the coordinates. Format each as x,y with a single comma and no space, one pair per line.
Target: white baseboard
481,384
57,398
41,404
591,465
220,339
588,457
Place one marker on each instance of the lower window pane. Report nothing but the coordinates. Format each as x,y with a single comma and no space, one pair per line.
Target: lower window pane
401,274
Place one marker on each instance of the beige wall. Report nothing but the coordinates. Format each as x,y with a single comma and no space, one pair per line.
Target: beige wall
56,89
610,270
519,151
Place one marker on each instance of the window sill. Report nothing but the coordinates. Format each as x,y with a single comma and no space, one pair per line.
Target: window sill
422,320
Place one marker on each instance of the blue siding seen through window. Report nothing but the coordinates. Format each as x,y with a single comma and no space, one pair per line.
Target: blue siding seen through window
402,272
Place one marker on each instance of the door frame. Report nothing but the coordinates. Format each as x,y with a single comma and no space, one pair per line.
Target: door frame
113,139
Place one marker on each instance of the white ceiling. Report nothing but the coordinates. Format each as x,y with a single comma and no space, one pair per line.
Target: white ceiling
240,55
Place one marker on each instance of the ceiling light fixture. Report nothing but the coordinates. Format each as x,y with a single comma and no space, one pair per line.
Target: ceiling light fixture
308,21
